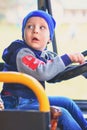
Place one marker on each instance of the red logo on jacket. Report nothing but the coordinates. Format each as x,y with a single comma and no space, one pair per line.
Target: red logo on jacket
31,62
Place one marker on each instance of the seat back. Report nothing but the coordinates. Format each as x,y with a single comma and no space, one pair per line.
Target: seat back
26,120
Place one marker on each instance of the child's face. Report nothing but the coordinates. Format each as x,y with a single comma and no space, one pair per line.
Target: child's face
36,33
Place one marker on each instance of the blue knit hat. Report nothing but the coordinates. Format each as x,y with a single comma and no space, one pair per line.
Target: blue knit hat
39,13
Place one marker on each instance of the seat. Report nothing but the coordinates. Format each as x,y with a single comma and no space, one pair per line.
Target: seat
26,119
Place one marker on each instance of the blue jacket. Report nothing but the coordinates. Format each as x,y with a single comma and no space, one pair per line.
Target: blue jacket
43,66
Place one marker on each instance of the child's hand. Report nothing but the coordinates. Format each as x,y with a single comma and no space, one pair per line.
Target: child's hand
55,113
1,106
77,58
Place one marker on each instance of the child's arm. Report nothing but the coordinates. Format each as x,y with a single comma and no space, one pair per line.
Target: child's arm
28,63
44,71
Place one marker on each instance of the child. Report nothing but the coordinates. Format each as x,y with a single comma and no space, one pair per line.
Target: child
30,56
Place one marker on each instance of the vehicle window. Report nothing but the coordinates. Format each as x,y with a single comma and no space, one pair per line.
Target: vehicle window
71,36
11,14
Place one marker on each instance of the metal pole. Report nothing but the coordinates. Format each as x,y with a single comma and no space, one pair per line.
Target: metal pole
48,3
43,5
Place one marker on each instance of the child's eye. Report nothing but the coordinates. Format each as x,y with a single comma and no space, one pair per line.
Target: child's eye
30,26
42,27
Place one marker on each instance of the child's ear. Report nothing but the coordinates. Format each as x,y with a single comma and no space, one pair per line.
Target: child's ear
48,41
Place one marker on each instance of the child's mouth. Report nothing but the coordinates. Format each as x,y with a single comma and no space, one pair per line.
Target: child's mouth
35,39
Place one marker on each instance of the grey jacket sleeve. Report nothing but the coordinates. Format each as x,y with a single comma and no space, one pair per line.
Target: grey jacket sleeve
29,64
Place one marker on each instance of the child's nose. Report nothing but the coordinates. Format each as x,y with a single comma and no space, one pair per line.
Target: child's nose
36,29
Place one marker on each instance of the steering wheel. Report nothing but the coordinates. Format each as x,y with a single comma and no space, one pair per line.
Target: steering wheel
71,72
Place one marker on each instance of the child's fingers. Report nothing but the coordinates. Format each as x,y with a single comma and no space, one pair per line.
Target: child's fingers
77,58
